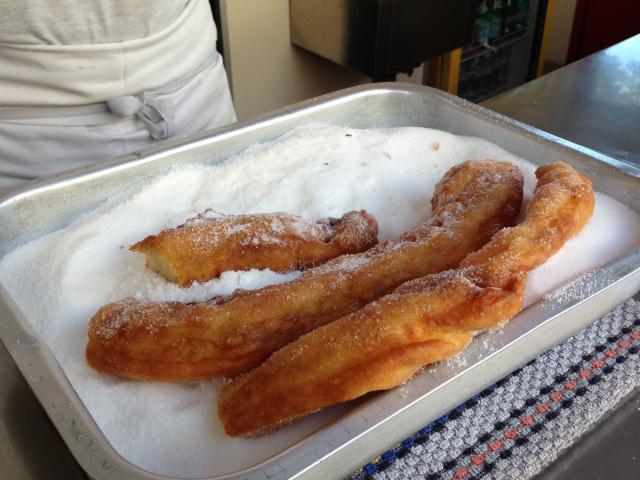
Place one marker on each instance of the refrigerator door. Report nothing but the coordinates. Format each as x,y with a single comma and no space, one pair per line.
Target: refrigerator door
504,53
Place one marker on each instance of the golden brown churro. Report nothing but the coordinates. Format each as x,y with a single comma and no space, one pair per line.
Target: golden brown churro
173,341
213,243
421,322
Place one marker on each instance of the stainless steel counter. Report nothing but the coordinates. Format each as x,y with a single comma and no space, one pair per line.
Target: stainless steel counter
594,102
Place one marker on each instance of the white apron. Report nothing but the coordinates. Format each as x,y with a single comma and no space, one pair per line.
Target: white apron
117,97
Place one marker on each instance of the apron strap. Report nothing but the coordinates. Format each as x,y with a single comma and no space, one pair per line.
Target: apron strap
156,113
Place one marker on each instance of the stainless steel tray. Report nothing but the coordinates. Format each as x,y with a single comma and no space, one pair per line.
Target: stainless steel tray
382,420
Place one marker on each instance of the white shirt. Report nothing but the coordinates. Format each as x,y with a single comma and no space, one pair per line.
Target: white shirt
64,105
72,74
80,22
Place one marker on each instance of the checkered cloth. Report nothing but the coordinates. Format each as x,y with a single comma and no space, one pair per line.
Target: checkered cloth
518,426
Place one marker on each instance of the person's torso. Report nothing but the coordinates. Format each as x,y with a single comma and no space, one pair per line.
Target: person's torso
129,51
82,22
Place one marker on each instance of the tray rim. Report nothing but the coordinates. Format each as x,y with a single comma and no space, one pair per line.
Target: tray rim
148,154
26,342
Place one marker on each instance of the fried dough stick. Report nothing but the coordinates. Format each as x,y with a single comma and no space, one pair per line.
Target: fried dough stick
421,322
173,341
213,243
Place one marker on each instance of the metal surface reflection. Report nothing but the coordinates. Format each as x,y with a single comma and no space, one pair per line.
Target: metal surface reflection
594,102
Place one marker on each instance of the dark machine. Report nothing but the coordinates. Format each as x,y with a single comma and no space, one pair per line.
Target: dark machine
381,38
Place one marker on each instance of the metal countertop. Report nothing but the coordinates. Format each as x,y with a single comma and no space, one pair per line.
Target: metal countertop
594,102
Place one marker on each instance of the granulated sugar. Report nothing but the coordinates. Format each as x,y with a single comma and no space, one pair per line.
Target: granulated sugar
60,280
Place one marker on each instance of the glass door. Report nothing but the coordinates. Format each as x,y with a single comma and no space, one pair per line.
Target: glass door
505,44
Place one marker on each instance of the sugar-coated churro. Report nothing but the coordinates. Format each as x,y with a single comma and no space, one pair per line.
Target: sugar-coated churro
172,341
421,322
213,243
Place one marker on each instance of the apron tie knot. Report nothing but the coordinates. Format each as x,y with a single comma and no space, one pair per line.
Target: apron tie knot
157,114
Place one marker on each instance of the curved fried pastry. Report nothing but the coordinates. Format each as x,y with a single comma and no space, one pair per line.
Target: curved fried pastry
213,243
175,341
421,322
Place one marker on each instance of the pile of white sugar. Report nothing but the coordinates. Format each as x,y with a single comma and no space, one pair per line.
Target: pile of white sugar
60,280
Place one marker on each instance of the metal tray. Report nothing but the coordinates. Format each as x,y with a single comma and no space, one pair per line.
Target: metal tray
371,426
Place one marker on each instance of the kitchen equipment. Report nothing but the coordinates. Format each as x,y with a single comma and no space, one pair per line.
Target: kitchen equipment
381,38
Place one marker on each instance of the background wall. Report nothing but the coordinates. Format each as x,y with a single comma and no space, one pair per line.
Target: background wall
265,70
560,33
